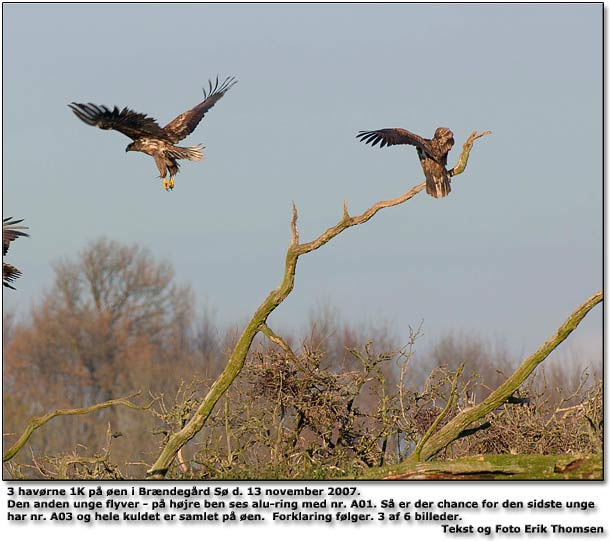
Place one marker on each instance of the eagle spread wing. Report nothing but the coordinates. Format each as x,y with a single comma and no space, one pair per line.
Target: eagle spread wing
185,123
9,275
395,136
126,121
10,231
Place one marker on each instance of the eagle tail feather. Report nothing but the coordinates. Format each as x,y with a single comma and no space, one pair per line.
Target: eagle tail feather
438,187
193,153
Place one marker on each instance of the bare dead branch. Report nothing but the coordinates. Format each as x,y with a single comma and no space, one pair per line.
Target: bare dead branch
348,221
466,150
272,301
294,230
499,468
36,422
448,433
181,461
273,337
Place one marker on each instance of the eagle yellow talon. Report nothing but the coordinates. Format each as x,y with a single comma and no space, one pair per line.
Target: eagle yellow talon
165,184
171,183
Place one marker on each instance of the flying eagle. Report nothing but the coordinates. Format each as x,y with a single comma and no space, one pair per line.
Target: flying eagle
10,231
433,153
148,136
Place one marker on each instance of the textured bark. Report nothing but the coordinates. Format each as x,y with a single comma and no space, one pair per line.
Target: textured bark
271,302
498,468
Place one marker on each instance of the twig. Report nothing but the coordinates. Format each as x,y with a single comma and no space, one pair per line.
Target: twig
294,230
451,401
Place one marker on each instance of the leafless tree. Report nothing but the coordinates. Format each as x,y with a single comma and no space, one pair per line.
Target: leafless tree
112,322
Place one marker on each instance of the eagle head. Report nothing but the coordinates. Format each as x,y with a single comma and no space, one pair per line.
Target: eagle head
444,138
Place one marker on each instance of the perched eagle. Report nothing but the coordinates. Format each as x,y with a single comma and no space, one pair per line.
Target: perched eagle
148,136
433,153
10,231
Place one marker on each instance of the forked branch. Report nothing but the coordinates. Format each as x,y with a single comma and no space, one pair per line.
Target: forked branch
349,221
273,299
466,149
279,341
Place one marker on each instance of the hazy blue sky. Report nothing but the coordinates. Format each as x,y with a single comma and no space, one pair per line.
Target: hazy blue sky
508,255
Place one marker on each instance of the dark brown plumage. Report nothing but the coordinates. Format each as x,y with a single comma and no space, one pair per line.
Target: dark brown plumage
10,231
148,136
433,153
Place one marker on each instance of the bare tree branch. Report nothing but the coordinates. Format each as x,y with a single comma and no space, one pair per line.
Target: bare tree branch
273,337
451,431
294,230
348,221
271,302
466,149
36,422
451,401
